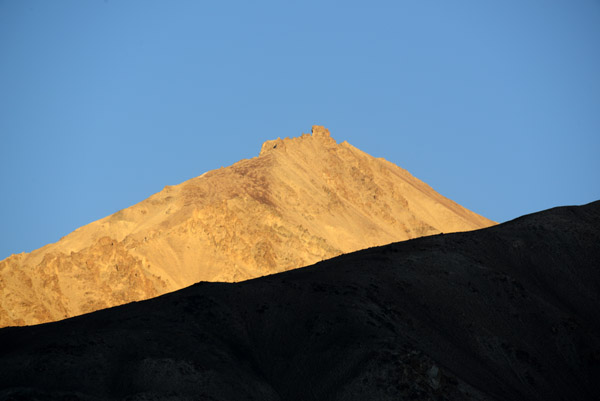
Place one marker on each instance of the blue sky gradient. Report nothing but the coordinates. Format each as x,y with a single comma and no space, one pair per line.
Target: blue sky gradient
496,105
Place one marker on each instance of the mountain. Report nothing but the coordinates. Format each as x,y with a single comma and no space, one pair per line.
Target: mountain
511,312
300,201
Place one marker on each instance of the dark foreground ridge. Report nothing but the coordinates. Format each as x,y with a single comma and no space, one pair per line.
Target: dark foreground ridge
510,312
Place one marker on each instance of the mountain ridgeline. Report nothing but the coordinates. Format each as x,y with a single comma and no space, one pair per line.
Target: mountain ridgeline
302,200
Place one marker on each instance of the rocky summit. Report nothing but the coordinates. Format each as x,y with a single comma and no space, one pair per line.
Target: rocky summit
302,200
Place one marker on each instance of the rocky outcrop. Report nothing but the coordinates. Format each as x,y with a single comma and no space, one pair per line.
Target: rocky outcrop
97,277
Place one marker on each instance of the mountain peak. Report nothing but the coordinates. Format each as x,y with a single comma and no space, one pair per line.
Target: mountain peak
303,200
319,134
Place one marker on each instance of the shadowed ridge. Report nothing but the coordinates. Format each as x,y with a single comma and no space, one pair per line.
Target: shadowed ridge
504,313
302,200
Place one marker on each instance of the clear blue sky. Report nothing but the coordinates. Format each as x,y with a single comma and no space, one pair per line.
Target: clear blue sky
496,105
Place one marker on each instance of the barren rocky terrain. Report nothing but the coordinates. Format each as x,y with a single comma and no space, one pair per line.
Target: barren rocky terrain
300,201
510,312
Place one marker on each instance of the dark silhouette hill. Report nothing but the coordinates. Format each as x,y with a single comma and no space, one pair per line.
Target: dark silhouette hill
510,312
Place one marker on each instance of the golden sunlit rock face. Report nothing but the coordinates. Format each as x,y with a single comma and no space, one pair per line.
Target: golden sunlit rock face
301,200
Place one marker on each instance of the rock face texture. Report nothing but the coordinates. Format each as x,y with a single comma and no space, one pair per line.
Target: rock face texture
300,201
507,313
